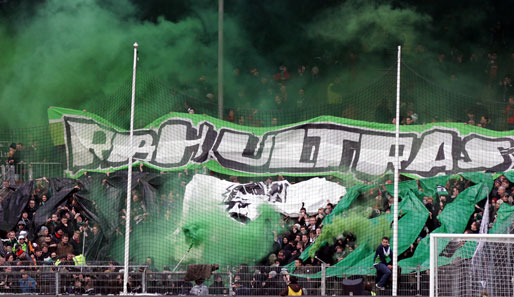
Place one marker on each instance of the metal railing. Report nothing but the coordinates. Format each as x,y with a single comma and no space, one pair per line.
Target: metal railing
63,280
321,281
229,280
31,171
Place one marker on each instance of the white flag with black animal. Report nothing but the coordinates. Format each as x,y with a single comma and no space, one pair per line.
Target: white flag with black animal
242,200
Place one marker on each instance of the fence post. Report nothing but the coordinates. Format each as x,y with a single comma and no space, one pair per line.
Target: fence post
511,285
323,280
143,281
57,282
230,292
418,280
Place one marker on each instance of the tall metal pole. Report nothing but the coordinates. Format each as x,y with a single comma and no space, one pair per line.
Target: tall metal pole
396,171
83,242
433,263
220,59
129,177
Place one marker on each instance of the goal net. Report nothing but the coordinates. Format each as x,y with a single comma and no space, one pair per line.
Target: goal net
472,264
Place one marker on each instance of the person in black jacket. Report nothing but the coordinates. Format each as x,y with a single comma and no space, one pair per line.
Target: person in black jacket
218,287
383,260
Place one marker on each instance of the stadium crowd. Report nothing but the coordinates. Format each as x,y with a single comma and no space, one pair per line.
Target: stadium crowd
59,243
307,227
299,89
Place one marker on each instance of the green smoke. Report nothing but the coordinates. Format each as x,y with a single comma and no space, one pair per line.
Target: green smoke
213,235
369,26
369,232
78,54
216,238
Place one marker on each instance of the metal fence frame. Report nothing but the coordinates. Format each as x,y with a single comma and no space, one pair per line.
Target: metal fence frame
56,280
32,170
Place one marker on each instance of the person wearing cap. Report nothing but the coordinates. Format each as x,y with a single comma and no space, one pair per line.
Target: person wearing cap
20,245
24,258
293,288
20,226
30,244
270,286
43,232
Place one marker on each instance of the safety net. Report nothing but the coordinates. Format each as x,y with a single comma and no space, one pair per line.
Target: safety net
297,172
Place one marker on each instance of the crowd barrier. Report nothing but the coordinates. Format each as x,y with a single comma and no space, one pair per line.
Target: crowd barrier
246,280
32,170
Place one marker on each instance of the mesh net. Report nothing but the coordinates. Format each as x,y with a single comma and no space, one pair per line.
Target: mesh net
474,267
297,173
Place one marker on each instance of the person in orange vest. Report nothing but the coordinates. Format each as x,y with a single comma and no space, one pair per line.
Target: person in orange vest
293,288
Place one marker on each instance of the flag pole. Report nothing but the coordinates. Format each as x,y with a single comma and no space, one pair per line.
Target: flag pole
129,176
396,177
220,58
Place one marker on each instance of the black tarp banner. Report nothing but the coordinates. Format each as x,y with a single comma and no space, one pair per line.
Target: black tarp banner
13,204
99,198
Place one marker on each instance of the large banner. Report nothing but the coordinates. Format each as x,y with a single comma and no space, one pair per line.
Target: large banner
323,145
243,200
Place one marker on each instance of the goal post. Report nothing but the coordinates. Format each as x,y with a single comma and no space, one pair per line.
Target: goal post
471,264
